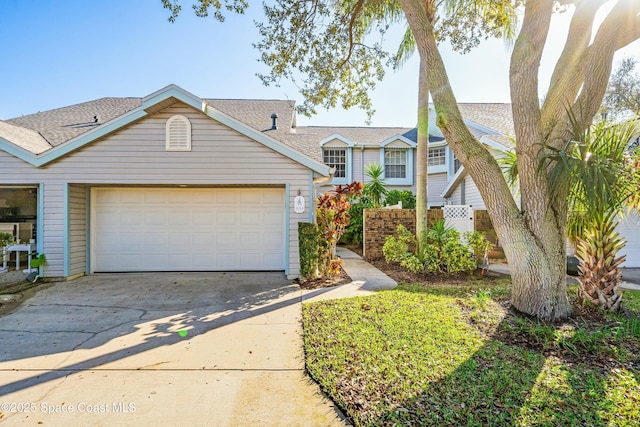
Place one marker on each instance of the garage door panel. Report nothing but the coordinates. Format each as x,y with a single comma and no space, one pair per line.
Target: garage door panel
156,229
271,218
227,217
130,217
251,217
202,217
273,241
150,196
179,217
155,216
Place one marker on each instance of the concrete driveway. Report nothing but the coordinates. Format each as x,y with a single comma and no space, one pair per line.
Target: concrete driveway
160,349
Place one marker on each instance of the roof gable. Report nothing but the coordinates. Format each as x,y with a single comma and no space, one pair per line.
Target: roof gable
148,106
27,139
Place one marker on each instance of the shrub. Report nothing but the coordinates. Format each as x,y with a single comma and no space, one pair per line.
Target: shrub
407,198
442,251
457,258
479,244
375,189
429,257
412,263
308,242
396,249
355,231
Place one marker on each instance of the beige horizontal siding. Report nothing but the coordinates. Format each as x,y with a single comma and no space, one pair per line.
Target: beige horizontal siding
137,156
472,194
77,229
435,185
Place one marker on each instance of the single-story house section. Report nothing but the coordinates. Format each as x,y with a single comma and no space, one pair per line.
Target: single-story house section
168,182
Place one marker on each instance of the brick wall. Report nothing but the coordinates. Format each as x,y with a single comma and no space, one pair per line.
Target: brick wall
482,222
380,223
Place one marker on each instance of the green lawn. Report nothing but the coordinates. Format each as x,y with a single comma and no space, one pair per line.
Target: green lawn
445,355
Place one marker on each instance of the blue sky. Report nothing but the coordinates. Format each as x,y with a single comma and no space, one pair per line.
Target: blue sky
58,53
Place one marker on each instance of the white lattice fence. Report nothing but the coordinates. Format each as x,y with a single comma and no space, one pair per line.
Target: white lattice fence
459,217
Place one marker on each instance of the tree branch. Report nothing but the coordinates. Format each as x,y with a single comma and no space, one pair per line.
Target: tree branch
618,28
357,8
523,78
568,73
475,157
525,64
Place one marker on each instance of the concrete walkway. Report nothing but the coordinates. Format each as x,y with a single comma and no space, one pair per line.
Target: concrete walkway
365,279
630,276
193,349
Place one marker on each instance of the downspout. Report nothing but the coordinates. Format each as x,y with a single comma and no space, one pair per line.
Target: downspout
362,162
320,180
324,179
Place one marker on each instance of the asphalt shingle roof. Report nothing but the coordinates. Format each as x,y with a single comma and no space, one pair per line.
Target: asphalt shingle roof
494,116
25,138
63,124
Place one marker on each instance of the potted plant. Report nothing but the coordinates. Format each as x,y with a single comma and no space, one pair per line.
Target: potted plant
38,263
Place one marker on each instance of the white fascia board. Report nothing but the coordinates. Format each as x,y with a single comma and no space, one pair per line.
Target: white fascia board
269,142
339,138
481,127
84,139
173,91
453,182
398,138
17,151
486,140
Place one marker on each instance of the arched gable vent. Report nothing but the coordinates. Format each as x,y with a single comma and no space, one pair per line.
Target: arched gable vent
178,134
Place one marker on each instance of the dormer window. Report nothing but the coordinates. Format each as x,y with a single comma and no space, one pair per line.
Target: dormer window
396,157
178,134
395,163
337,153
336,158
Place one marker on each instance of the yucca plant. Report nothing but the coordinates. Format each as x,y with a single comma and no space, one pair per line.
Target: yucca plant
375,189
599,268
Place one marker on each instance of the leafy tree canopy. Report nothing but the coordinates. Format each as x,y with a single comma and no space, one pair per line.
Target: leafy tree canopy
623,93
335,52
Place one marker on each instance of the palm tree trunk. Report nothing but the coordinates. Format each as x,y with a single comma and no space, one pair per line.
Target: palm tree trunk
422,153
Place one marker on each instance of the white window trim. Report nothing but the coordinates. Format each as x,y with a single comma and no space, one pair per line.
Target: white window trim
348,147
443,167
170,120
409,178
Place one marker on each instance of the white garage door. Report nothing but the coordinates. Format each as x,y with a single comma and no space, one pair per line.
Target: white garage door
187,229
629,228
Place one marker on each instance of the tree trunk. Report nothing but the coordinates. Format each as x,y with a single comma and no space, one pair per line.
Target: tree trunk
533,237
422,153
533,246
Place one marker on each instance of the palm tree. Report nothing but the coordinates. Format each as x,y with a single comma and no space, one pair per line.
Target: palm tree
602,181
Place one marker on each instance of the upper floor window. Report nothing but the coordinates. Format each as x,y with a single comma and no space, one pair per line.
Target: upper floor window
395,163
456,164
336,158
178,134
437,156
